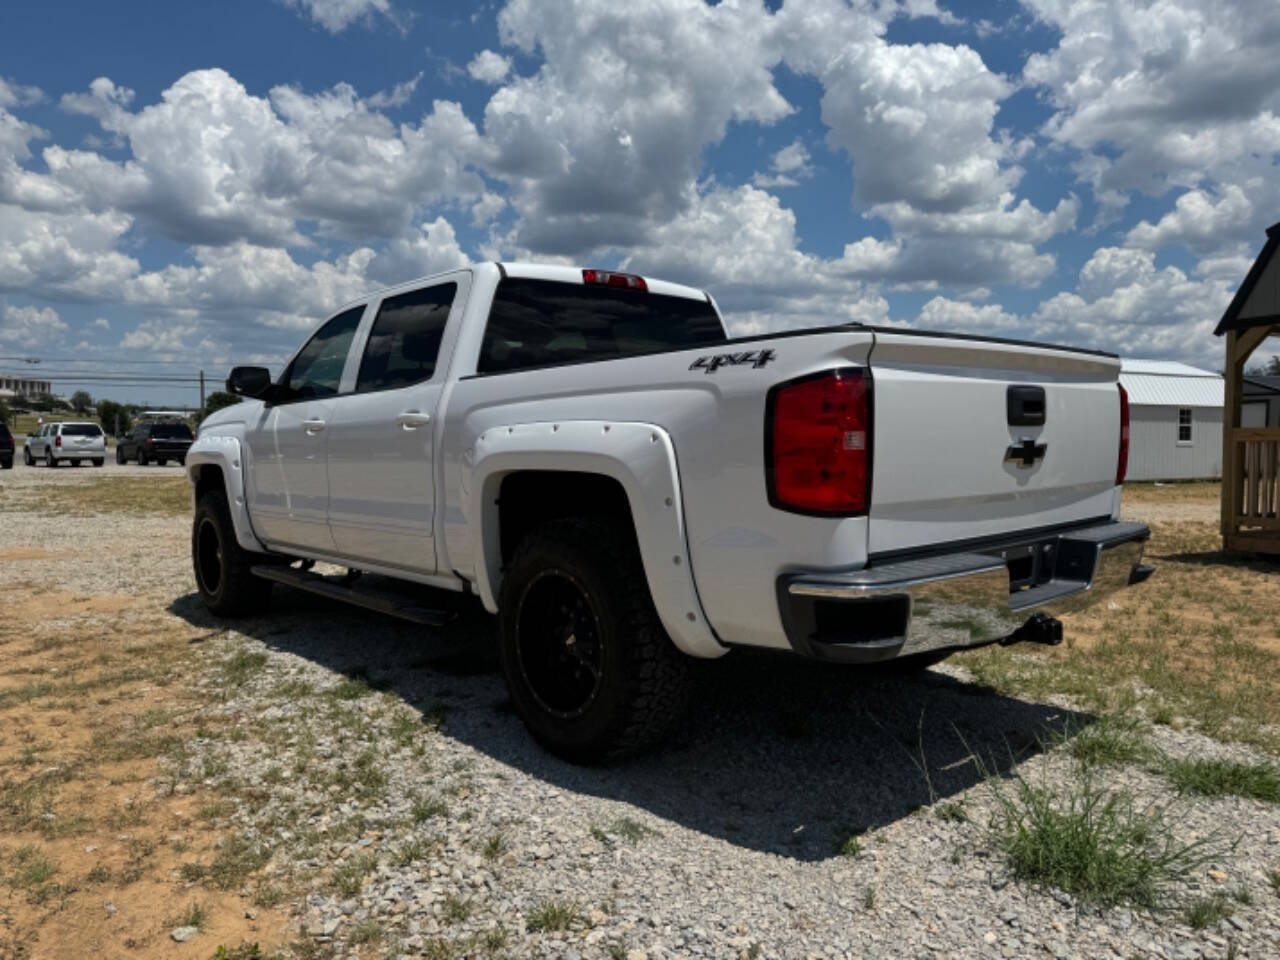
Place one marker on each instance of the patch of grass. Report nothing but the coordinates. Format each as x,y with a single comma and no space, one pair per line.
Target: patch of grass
1220,778
365,776
495,845
99,874
242,666
549,916
1092,843
494,939
1208,912
456,908
408,852
196,915
268,896
366,932
348,877
32,873
424,808
848,843
951,811
405,728
1112,740
193,872
243,951
235,861
632,831
869,898
349,688
1273,878
167,496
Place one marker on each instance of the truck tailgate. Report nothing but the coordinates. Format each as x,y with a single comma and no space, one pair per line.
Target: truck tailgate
959,457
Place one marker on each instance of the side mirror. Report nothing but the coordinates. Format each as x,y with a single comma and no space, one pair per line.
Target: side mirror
249,382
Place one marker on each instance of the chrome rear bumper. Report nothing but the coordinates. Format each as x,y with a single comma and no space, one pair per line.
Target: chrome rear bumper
957,600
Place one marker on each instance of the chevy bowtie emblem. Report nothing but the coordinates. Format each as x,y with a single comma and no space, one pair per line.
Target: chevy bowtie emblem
1026,452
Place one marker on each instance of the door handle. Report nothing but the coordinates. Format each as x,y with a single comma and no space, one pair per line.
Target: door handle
313,426
413,419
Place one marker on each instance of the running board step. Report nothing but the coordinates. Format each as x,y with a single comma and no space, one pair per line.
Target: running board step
371,598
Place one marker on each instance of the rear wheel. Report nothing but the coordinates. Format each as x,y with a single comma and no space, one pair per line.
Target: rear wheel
142,458
6,463
221,565
162,461
120,457
99,461
27,458
591,671
49,459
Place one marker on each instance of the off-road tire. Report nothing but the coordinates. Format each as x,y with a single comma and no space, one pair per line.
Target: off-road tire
234,592
644,678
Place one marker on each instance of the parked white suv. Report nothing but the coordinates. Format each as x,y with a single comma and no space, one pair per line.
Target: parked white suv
74,443
627,487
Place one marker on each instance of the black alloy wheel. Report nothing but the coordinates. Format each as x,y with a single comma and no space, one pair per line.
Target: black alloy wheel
559,646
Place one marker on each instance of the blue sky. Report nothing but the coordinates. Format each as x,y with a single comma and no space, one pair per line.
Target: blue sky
202,183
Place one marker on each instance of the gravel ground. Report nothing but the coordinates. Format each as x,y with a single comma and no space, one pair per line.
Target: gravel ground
404,811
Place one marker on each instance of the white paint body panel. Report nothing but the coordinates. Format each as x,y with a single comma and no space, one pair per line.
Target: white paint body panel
712,556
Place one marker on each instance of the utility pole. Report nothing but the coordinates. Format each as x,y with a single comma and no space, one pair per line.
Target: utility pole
202,390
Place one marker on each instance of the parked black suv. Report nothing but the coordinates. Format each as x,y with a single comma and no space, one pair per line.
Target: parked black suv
160,442
6,447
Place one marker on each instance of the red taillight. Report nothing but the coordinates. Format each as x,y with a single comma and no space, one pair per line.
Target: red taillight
57,441
150,442
818,436
611,279
1122,465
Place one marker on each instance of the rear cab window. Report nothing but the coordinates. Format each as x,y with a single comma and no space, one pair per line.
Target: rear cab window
542,323
81,430
171,431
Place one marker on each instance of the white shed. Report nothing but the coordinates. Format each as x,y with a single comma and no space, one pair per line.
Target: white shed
1175,420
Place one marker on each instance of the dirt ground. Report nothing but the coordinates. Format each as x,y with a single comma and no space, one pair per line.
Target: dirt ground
103,853
92,694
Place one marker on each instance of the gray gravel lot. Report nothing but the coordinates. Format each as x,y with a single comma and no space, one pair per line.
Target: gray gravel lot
403,810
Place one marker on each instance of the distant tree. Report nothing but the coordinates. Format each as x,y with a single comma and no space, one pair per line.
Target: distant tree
43,402
1269,369
108,411
81,401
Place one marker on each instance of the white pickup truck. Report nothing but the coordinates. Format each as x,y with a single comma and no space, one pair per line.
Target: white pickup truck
626,486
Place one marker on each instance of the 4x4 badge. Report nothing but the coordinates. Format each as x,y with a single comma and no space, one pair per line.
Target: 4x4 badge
712,363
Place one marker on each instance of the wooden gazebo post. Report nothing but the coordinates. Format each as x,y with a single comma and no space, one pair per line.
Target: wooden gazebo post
1250,455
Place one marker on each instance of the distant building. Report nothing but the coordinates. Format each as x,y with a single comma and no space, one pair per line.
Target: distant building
1175,420
14,386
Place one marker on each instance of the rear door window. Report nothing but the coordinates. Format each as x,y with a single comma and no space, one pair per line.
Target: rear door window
404,342
539,323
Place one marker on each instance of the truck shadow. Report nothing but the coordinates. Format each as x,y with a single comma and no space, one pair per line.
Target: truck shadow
777,754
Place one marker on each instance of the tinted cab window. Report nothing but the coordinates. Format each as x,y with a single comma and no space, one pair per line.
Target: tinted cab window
171,431
404,341
81,430
538,323
317,369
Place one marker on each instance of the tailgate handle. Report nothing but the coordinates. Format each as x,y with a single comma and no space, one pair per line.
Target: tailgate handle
1026,406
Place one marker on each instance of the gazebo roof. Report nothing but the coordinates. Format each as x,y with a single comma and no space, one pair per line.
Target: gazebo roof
1257,302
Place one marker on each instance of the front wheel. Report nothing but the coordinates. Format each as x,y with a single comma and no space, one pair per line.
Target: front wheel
162,462
591,671
222,566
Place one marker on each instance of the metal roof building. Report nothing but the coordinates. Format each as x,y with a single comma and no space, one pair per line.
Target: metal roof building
1175,420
